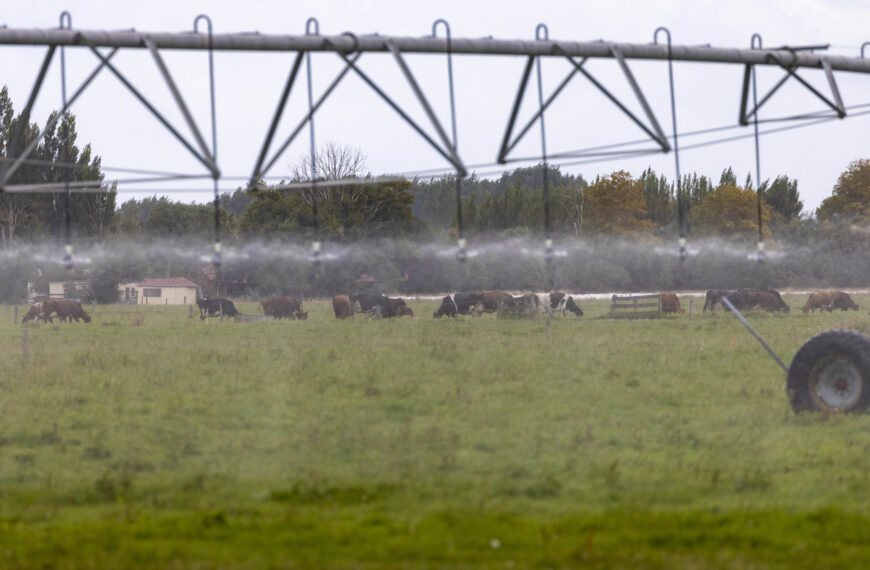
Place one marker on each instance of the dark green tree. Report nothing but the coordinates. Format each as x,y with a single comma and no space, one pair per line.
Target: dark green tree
783,197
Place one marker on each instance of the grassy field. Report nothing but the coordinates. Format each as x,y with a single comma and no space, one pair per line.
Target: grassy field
150,440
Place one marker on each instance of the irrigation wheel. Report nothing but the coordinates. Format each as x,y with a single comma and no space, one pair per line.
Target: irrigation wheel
831,373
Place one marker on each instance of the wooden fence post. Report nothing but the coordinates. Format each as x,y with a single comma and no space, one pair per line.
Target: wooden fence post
691,309
25,343
15,316
190,312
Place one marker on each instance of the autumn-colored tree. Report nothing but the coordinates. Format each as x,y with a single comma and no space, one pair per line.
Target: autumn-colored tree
851,196
615,205
730,212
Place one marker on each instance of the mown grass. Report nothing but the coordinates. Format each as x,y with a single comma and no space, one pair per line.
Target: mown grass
148,439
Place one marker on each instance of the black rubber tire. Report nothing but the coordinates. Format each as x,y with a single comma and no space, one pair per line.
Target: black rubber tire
848,392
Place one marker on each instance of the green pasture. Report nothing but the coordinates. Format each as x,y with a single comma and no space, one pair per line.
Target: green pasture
147,439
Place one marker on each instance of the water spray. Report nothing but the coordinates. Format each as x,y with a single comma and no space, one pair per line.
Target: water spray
461,254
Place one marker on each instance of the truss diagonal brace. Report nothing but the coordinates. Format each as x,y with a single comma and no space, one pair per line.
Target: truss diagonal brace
148,105
51,123
24,122
176,94
308,116
524,81
506,149
368,80
837,105
448,146
279,110
19,160
659,135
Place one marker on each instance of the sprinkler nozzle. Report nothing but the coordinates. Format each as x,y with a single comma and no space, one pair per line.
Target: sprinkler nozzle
67,256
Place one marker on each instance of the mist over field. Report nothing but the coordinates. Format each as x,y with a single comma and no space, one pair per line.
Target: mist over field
258,268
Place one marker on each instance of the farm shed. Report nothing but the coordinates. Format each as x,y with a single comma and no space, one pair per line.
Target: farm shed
168,291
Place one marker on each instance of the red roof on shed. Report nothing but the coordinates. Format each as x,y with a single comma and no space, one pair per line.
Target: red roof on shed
167,282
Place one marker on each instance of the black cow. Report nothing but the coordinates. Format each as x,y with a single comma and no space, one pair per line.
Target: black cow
215,307
447,308
464,302
556,300
367,301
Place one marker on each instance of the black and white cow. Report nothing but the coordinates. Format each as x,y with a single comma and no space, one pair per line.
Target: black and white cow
564,303
215,307
448,308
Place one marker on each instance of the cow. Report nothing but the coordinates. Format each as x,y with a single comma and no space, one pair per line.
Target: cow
403,311
33,313
819,300
283,307
464,302
447,308
714,298
564,303
768,300
671,303
396,303
216,306
529,306
341,306
367,301
743,299
841,300
489,299
64,310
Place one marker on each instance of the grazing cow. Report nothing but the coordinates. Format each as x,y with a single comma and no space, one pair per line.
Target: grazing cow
367,301
564,303
396,303
33,313
464,302
671,303
819,300
283,307
404,311
489,299
447,308
768,300
341,306
714,297
215,307
529,306
743,299
841,300
64,310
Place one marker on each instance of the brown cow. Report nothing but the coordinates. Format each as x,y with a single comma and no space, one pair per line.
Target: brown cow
671,303
341,307
404,311
396,303
768,300
819,300
841,300
281,307
489,299
33,313
64,310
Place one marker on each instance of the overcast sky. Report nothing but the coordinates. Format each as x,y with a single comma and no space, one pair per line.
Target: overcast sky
249,85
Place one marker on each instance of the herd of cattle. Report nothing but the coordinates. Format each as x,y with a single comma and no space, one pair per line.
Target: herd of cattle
474,303
771,300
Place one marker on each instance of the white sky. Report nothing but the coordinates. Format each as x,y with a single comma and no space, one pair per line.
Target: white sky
249,84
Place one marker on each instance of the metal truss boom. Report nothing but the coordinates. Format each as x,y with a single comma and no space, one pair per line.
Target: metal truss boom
784,55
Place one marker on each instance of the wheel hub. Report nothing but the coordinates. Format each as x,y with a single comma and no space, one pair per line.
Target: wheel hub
837,385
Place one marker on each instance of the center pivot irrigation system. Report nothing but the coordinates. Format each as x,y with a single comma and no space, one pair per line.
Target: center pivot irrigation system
831,374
